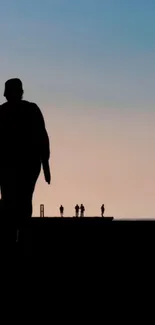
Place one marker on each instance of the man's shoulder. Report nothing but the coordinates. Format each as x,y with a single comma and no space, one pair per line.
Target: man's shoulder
33,110
3,108
23,103
28,103
33,106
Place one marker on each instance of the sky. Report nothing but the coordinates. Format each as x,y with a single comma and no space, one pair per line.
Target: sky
90,67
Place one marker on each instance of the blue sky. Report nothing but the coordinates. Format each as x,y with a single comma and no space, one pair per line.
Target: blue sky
91,61
99,49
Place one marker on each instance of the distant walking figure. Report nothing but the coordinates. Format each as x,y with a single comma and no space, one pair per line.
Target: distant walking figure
61,211
24,147
77,208
102,210
82,208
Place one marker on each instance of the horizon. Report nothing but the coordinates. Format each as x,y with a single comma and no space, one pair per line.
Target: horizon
89,66
119,218
99,217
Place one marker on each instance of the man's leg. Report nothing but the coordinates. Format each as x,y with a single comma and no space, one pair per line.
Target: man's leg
17,193
29,188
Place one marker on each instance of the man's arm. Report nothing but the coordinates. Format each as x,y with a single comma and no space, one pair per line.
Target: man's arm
47,173
43,136
44,144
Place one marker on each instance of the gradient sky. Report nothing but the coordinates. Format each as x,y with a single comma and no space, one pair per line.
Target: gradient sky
90,66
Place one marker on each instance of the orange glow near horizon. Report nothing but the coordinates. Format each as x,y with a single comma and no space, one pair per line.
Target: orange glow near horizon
110,162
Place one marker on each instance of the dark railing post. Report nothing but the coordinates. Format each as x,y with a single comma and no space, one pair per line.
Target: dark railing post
41,210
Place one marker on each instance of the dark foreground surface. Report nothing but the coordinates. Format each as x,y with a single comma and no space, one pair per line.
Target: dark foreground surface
70,237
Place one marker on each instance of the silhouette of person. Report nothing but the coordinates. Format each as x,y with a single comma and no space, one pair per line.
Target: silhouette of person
77,208
24,148
61,211
102,210
82,208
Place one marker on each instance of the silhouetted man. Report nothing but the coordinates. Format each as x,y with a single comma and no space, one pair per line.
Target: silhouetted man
24,147
61,211
77,208
102,210
82,208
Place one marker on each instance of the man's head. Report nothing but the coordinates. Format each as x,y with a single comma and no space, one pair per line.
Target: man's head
13,90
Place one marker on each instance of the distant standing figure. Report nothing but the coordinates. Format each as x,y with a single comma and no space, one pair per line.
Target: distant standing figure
102,210
82,208
77,208
61,211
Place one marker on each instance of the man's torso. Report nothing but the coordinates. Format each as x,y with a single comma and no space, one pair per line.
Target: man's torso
18,135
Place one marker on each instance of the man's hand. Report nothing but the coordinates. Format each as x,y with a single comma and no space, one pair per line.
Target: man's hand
47,173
